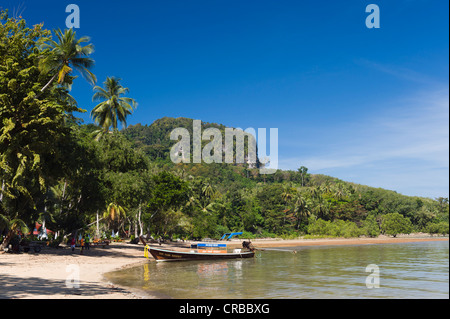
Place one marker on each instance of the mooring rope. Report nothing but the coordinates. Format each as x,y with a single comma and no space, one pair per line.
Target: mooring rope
277,249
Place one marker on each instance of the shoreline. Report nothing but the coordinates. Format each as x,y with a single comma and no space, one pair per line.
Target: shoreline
267,243
44,275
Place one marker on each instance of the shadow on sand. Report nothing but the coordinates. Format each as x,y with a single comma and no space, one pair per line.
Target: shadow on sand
15,287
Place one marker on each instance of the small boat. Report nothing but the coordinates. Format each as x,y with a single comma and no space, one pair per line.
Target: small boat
172,255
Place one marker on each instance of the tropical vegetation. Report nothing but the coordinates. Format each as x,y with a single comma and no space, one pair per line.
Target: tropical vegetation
78,178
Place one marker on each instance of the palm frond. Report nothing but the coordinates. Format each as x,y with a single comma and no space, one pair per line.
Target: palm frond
66,55
114,108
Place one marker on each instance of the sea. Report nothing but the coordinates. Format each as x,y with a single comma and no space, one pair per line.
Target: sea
378,271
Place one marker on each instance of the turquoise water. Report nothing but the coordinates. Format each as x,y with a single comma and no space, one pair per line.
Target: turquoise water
411,270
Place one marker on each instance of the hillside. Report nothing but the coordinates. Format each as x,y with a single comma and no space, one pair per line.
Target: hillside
284,202
154,140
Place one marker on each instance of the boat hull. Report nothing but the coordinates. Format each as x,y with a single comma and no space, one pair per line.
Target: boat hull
171,255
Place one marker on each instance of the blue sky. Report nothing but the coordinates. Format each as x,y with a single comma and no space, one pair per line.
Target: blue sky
365,105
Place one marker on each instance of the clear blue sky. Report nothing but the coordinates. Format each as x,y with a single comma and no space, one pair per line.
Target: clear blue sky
364,105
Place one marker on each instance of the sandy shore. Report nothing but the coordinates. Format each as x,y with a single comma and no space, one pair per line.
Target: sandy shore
50,273
345,241
44,275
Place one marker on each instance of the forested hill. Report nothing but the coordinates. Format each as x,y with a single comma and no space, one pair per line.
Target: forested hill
285,202
154,140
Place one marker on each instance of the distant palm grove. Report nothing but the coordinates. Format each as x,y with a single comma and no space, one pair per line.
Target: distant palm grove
94,179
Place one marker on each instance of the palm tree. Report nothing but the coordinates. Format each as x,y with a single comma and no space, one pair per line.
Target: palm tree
65,55
114,107
208,190
114,214
322,208
315,192
12,225
204,197
301,208
327,188
303,174
340,191
288,193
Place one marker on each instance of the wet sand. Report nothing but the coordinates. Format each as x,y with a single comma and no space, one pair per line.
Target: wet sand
52,273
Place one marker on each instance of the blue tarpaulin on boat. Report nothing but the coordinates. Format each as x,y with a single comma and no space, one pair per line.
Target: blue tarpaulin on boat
230,235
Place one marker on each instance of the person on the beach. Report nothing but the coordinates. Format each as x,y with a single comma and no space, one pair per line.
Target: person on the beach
86,242
248,245
72,243
82,245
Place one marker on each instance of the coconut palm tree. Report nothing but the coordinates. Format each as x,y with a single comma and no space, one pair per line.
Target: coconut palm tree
114,107
12,225
303,171
64,56
315,192
301,208
114,214
208,190
203,198
340,191
288,193
327,187
322,208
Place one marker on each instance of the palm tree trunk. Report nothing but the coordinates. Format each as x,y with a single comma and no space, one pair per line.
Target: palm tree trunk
98,231
46,86
141,227
49,82
3,189
7,239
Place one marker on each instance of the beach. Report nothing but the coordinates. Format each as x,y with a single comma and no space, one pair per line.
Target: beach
63,274
43,275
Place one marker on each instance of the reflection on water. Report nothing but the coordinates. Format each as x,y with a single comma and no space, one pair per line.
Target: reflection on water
414,270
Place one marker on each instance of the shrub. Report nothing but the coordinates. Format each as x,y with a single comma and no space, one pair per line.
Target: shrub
336,228
351,230
437,228
318,227
394,224
370,227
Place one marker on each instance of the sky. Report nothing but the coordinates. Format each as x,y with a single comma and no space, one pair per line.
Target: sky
365,105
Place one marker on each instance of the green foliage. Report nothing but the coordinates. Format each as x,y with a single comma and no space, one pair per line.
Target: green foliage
62,56
394,224
155,139
169,194
338,228
437,228
114,107
371,227
31,129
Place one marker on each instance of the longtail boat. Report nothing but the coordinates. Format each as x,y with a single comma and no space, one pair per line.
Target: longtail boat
200,251
172,255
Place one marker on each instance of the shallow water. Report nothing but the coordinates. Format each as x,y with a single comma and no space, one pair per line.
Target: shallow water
410,270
